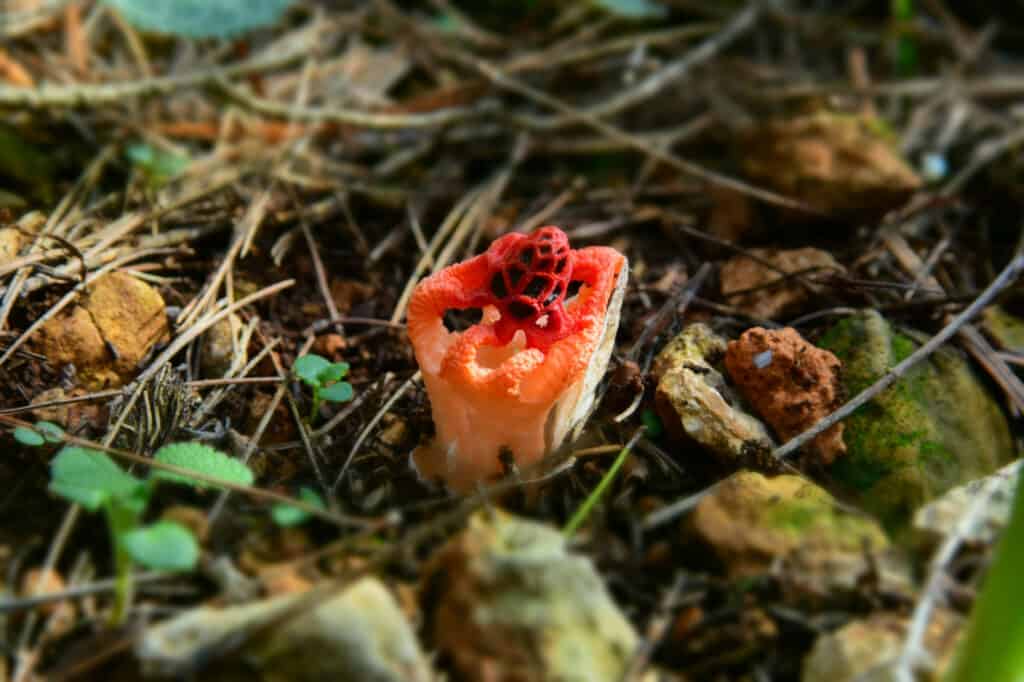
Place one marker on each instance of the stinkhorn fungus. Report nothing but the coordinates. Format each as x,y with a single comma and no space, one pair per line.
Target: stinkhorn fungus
519,380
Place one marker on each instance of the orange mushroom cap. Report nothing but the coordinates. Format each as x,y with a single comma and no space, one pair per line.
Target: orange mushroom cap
523,376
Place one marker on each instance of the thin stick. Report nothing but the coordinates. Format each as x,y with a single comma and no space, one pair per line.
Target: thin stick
369,427
671,73
301,423
655,632
498,77
206,383
64,401
13,605
50,95
351,117
250,447
324,324
321,274
677,508
26,660
202,325
251,491
912,653
677,301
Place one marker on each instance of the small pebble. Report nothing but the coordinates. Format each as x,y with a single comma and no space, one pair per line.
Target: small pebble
762,360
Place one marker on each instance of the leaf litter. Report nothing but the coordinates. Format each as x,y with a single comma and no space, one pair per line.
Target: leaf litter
278,193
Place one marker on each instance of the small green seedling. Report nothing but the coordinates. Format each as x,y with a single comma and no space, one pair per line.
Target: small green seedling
325,378
93,480
286,515
157,166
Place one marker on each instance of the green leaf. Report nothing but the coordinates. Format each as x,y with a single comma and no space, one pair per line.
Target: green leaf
332,372
287,515
90,478
51,432
340,392
201,459
308,368
159,165
29,437
200,18
163,546
633,9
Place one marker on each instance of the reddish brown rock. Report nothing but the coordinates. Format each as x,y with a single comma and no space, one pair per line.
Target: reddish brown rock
789,382
330,346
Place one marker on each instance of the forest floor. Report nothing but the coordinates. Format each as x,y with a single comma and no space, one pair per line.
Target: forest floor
182,218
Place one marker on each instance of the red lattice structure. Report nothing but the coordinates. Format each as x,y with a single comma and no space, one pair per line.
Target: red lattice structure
531,276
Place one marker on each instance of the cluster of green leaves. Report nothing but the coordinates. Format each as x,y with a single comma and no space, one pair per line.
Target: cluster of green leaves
325,378
93,480
200,18
96,482
158,166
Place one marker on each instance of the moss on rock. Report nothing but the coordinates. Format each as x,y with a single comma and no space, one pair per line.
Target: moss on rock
936,428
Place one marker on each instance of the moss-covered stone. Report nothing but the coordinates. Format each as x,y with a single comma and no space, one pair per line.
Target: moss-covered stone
936,428
750,521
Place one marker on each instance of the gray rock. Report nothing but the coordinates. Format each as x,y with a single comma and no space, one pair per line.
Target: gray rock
936,520
506,601
866,650
695,402
357,635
